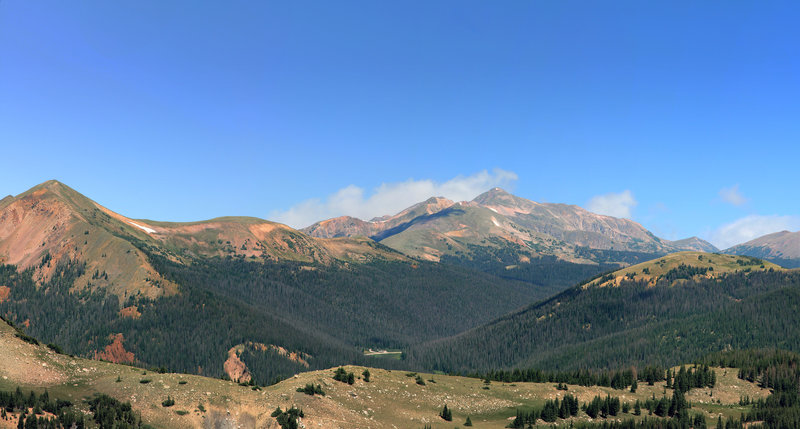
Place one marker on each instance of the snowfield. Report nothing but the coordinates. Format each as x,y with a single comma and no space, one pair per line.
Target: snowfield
143,228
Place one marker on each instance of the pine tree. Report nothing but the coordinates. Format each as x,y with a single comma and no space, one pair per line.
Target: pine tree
446,414
468,422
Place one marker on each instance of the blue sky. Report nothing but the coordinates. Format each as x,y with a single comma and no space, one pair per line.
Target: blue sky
680,115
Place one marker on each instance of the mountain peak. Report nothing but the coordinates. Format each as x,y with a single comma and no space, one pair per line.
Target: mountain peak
51,185
436,200
778,245
494,192
694,244
495,196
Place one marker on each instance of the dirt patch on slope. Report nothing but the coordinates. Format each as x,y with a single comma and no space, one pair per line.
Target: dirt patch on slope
132,312
5,291
115,352
235,368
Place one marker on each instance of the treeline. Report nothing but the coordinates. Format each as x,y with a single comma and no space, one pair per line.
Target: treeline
113,414
551,411
62,413
648,423
548,273
676,408
614,379
40,411
773,369
683,379
635,324
696,377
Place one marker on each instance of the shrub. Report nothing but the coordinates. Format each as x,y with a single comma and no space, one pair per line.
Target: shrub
311,389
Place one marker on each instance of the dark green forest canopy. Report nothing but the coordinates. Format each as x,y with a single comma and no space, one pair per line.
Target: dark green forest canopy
633,324
326,312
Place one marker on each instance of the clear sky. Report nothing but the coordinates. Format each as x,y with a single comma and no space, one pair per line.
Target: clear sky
684,116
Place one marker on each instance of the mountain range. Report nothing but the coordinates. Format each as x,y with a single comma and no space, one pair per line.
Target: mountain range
54,222
495,220
782,248
241,295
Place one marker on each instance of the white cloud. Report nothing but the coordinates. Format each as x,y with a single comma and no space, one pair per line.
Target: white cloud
732,195
750,227
617,205
390,198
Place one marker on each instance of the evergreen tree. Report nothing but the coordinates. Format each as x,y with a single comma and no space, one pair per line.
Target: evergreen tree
446,414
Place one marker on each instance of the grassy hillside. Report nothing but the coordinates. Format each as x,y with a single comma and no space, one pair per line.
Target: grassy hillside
684,266
390,399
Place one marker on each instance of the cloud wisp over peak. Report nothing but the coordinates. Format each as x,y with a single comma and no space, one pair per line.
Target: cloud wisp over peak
390,198
613,204
749,227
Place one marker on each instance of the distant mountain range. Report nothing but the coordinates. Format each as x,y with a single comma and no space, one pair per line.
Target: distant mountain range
783,248
496,219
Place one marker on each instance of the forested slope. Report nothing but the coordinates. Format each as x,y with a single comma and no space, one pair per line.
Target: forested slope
633,323
325,312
